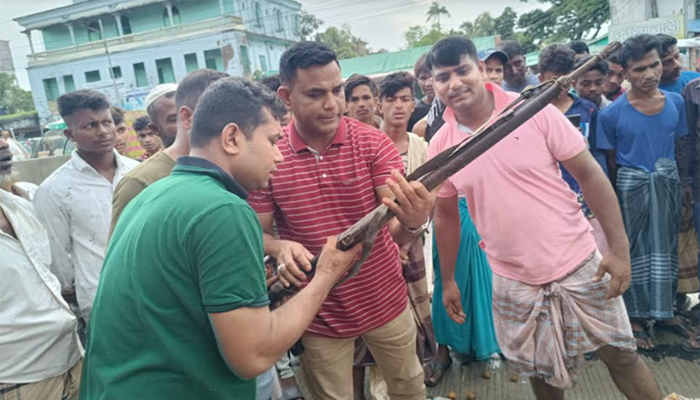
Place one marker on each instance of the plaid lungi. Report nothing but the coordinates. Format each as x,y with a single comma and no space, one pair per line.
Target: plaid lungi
545,331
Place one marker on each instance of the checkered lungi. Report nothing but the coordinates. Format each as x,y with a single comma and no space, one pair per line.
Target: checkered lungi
545,331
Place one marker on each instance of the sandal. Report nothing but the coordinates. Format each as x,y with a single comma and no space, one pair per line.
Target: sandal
678,325
437,371
644,341
692,345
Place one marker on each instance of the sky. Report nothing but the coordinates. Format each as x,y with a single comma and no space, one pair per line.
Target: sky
379,22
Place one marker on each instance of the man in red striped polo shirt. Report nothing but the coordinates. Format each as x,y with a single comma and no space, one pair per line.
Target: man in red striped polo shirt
335,171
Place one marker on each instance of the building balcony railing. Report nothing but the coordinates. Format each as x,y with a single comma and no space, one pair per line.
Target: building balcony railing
135,40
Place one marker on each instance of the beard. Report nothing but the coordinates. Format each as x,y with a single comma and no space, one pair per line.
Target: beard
7,179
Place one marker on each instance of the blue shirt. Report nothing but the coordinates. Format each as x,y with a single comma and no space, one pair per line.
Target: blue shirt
640,140
686,76
584,109
530,80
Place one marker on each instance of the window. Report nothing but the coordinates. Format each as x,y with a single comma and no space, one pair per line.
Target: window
92,76
51,89
176,16
126,24
140,75
245,60
280,21
263,64
116,72
165,71
297,24
191,63
258,14
94,32
214,60
69,83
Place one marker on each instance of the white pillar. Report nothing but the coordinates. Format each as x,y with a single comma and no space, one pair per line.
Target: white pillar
118,20
221,7
102,30
72,34
31,45
170,14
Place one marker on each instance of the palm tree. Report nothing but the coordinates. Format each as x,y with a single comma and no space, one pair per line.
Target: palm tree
435,12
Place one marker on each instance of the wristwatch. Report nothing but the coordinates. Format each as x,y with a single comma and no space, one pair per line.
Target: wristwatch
418,231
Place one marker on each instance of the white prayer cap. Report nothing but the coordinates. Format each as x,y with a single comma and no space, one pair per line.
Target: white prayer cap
158,92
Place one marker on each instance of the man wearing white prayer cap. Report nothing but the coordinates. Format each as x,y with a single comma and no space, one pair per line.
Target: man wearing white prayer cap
161,109
182,100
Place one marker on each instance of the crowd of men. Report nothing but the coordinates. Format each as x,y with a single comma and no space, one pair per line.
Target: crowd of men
573,236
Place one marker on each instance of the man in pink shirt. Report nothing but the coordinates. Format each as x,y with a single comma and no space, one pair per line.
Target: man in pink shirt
554,297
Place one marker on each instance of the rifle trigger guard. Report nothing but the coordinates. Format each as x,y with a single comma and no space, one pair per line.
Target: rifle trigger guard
373,229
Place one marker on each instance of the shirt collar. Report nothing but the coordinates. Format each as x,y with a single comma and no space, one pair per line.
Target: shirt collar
82,165
298,144
500,98
198,165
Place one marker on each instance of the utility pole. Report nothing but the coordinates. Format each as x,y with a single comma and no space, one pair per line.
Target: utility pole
109,61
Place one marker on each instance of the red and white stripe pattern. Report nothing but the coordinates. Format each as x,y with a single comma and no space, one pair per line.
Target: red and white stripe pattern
315,196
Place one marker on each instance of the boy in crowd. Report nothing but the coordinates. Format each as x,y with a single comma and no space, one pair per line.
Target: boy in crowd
580,49
613,82
425,83
517,78
362,100
495,62
75,202
149,141
122,145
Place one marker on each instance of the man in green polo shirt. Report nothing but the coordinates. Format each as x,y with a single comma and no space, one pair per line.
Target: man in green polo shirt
181,309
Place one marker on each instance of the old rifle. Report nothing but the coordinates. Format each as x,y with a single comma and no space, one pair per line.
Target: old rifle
448,162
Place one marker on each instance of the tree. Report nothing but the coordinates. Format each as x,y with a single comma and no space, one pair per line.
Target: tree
12,98
418,36
505,24
343,42
434,13
483,25
565,20
308,25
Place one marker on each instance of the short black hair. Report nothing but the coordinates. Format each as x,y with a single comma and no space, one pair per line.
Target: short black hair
152,110
117,114
141,123
601,66
70,103
579,47
511,48
272,82
557,58
421,66
393,83
190,89
448,51
667,41
634,48
356,80
303,55
615,58
232,100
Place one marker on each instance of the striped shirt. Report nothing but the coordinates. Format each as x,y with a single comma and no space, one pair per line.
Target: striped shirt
316,195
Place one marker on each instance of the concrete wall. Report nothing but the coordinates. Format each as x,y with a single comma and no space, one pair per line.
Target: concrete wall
38,169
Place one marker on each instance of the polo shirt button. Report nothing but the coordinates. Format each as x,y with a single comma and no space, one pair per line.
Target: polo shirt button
323,176
320,157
